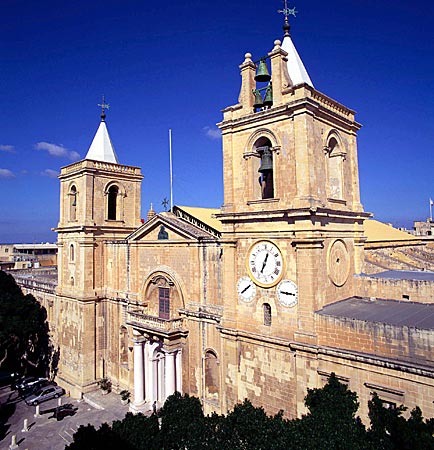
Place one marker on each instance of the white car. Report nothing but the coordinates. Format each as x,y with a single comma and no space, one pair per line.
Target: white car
44,394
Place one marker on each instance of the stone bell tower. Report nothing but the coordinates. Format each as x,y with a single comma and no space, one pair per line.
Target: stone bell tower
291,184
99,201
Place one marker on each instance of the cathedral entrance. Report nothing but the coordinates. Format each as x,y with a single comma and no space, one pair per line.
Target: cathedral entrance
157,372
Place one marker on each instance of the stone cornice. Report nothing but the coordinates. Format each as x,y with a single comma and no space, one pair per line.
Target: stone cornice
348,355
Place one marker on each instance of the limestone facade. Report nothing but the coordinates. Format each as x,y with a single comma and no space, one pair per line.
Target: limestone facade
227,307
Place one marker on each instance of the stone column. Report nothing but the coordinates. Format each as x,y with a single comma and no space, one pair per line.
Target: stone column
160,366
178,366
138,374
146,370
150,375
170,380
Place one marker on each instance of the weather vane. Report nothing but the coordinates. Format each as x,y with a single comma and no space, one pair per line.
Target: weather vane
165,202
104,106
287,11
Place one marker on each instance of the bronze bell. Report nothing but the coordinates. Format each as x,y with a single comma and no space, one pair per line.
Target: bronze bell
258,99
268,99
266,159
262,72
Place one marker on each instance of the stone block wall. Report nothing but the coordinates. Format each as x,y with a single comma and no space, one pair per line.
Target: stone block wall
403,344
386,288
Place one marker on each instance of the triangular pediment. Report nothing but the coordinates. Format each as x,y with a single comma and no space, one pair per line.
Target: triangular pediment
166,227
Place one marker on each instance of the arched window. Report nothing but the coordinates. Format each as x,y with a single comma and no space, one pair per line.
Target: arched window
212,384
267,314
73,203
266,177
112,203
163,303
72,281
71,252
335,157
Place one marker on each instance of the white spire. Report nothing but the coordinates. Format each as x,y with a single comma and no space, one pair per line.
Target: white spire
102,148
297,71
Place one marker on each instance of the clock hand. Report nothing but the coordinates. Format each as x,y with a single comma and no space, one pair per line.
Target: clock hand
264,263
287,293
245,289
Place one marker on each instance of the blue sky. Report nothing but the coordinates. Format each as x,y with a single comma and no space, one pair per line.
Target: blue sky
175,65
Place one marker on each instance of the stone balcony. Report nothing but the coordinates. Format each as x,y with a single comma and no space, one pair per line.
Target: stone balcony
156,325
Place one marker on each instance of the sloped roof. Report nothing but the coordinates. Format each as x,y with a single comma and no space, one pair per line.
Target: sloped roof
380,232
205,215
296,69
102,148
391,312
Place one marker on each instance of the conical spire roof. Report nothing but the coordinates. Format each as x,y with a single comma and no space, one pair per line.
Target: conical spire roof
102,148
296,69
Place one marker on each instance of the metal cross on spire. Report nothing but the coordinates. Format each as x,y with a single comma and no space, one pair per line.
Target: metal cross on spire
287,12
165,203
104,106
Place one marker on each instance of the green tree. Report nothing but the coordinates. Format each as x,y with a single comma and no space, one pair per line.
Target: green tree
391,431
24,338
182,423
138,431
249,427
331,422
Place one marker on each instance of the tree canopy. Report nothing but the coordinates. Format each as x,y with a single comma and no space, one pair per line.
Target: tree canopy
331,423
24,338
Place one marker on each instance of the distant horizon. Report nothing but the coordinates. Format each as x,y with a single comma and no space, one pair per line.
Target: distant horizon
45,241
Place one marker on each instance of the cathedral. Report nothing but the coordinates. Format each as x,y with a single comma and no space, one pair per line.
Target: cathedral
260,299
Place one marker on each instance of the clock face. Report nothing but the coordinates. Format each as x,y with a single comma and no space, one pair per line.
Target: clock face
287,293
246,289
265,264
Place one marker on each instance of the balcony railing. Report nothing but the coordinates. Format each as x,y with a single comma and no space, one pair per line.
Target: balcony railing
141,320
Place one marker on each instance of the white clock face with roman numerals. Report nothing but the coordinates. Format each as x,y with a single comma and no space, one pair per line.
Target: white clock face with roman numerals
265,264
246,289
287,293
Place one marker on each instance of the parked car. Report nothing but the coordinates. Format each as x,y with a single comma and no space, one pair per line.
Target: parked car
7,378
64,410
45,393
29,384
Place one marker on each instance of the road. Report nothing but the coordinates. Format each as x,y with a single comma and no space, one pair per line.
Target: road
45,432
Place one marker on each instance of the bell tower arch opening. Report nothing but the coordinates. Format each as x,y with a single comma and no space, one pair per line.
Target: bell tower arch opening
335,157
112,203
73,203
262,148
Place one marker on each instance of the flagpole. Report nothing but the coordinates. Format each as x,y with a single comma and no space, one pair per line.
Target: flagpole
171,173
430,209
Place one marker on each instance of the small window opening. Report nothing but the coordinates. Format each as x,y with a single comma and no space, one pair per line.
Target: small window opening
71,252
163,303
72,281
267,314
405,296
388,404
112,203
